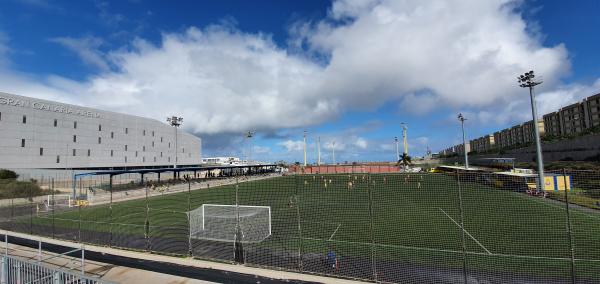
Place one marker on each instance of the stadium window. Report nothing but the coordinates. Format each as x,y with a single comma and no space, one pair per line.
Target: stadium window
143,148
126,130
112,135
112,153
169,159
55,122
143,159
125,147
24,119
169,145
155,159
74,124
0,116
161,139
190,155
99,127
74,138
161,154
89,152
183,150
41,151
152,133
22,142
125,159
57,159
144,132
152,143
74,152
99,140
136,154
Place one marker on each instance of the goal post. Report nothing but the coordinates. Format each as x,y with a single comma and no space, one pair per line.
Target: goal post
59,200
220,222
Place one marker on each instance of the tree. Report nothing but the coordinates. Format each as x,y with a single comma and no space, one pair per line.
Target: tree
7,174
405,160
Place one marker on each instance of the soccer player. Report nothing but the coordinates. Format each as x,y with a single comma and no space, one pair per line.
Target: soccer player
332,260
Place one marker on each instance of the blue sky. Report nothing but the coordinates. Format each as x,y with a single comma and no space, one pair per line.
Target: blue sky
347,71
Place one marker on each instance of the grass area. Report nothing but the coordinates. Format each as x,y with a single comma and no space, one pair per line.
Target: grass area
412,218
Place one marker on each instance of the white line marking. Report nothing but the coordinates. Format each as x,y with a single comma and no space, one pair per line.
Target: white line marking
531,198
458,252
338,227
457,224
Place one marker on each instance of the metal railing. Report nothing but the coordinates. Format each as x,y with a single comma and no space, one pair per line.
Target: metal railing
15,270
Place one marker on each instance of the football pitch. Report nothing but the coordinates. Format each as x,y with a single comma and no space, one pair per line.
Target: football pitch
392,227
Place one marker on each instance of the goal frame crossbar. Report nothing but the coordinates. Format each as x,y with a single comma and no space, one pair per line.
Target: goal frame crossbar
234,206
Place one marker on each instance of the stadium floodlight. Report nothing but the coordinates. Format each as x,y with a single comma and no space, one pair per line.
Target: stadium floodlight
397,149
249,136
218,222
404,143
305,148
462,119
333,150
526,81
319,151
175,122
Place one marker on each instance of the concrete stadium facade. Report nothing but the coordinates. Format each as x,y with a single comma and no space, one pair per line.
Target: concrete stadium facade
41,134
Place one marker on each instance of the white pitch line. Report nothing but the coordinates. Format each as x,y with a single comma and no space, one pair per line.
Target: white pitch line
338,227
530,198
457,224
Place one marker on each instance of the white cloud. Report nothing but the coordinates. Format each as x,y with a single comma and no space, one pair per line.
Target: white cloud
261,149
360,143
222,80
464,53
292,145
87,48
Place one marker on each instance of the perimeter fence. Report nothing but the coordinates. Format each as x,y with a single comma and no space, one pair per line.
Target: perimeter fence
453,227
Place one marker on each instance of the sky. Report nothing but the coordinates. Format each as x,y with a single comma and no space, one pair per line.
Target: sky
347,72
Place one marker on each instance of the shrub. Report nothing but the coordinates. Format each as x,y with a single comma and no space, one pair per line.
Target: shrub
8,174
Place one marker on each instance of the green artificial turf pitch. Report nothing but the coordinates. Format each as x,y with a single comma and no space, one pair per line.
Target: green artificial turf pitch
408,218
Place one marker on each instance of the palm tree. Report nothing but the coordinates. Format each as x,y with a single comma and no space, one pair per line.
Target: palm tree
405,160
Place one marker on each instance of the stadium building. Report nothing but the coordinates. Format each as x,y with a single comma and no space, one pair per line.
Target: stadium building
41,134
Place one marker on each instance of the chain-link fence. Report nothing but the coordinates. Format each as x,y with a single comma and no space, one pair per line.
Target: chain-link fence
453,227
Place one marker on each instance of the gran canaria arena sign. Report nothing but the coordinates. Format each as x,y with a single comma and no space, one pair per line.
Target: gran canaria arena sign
45,106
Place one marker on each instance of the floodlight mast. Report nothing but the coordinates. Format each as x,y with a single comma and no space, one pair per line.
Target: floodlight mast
249,136
527,81
175,122
333,150
404,143
462,119
397,149
319,151
304,148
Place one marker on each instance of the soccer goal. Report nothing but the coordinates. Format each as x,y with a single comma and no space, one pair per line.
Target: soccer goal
220,222
58,201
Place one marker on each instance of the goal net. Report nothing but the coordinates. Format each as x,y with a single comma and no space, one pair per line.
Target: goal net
58,201
220,222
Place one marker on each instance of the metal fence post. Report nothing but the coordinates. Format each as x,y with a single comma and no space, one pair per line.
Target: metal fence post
147,223
370,188
297,205
569,231
462,227
52,212
189,201
3,269
110,188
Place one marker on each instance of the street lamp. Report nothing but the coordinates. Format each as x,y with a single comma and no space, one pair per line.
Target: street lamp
462,119
175,122
249,136
527,81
